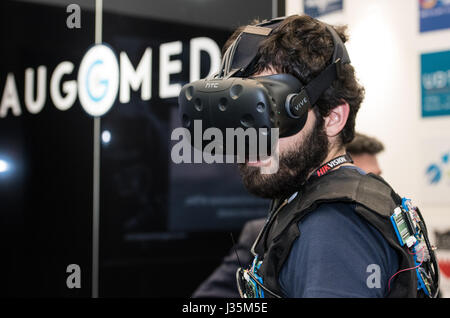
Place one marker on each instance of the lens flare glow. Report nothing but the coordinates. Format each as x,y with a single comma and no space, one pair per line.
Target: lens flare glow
106,137
4,166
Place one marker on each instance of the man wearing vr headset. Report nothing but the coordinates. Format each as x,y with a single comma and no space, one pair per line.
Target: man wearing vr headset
328,232
222,282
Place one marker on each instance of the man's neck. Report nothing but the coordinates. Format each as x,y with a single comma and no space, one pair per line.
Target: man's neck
333,154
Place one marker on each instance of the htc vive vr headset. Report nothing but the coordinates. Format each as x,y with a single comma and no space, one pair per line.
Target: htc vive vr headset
233,99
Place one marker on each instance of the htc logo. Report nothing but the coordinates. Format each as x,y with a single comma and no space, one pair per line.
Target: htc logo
212,85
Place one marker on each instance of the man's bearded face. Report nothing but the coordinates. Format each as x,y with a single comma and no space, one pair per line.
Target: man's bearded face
299,155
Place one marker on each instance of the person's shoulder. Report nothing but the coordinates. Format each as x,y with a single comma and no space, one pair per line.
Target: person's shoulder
329,215
254,225
338,225
251,230
354,168
337,222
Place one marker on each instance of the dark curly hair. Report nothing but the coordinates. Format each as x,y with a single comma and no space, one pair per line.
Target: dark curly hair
363,144
302,46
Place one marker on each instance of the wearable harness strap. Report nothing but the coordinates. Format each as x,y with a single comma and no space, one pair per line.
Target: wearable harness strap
310,94
321,171
375,200
341,186
247,48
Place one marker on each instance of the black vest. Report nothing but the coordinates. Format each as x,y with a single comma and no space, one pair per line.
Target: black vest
375,202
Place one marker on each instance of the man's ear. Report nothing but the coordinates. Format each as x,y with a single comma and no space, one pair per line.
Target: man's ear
336,120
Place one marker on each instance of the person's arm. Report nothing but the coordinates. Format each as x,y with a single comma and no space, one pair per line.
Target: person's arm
222,282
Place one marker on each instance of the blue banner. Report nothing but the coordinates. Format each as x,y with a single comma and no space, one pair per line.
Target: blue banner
317,8
435,82
434,15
